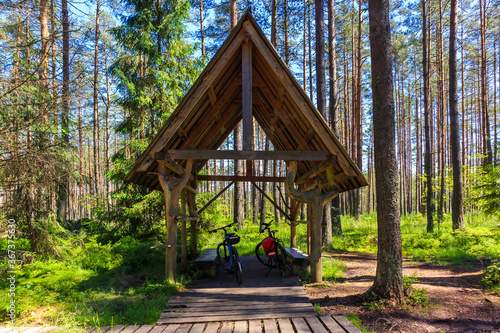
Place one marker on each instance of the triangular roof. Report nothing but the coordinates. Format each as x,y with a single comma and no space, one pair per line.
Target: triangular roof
213,107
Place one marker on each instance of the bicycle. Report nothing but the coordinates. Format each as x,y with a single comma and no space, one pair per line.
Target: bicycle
227,254
271,253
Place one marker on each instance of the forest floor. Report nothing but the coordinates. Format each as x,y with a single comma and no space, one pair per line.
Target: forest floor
456,301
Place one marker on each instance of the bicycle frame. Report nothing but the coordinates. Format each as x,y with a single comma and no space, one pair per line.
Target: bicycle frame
226,243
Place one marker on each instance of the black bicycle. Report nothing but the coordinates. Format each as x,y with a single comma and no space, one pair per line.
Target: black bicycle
271,253
227,254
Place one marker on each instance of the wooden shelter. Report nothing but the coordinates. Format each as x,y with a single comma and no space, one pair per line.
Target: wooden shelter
246,80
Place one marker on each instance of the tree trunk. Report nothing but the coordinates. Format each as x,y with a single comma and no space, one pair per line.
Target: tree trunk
304,48
106,122
389,275
359,113
97,175
202,33
427,157
234,13
334,114
64,187
484,88
457,213
44,36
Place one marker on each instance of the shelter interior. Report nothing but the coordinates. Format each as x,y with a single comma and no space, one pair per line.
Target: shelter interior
246,80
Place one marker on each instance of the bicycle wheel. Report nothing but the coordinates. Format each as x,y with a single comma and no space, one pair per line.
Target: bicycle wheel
237,266
281,260
261,254
223,256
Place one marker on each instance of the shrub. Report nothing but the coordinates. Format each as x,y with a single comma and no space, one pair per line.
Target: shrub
414,296
491,278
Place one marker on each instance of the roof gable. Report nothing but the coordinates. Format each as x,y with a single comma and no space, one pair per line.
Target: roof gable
213,108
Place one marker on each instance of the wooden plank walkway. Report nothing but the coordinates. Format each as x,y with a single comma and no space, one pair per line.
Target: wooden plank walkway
222,299
321,324
260,304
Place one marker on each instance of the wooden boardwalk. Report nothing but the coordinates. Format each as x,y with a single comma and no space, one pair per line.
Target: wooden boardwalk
321,324
260,304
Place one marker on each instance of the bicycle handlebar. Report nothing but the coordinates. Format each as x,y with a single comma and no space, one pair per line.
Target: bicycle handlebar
266,226
222,228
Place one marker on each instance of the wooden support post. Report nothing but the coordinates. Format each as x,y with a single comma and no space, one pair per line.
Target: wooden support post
246,81
316,201
194,223
294,214
172,191
293,235
309,218
183,232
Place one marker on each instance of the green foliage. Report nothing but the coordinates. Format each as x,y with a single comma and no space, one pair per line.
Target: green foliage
414,296
333,269
92,284
353,318
376,303
480,240
318,309
487,194
154,71
491,278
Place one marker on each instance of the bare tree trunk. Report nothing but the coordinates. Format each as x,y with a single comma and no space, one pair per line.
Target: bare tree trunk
441,120
234,13
389,275
106,124
427,157
286,50
334,113
457,213
484,88
97,174
310,50
304,49
64,187
359,114
44,36
202,32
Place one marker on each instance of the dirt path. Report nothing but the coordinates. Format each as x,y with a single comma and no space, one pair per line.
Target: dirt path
457,304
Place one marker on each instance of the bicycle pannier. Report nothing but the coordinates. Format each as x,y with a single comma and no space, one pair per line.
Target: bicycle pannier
269,246
233,239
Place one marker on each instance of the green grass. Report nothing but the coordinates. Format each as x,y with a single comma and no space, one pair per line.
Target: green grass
250,236
480,239
357,322
91,284
95,285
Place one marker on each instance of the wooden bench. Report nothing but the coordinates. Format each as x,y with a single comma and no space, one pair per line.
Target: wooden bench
205,264
301,260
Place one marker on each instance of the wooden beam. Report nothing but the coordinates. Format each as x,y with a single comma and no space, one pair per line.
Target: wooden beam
272,201
212,96
229,94
172,165
317,169
243,155
246,61
241,179
214,198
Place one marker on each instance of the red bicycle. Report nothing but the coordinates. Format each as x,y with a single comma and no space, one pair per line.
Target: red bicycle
271,253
